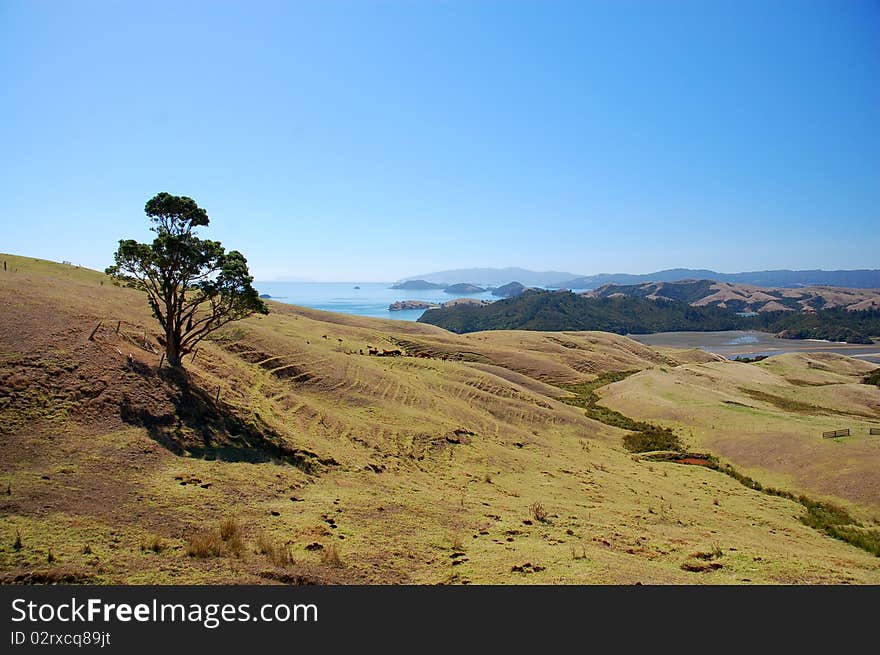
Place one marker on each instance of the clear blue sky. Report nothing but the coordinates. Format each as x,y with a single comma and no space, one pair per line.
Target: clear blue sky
374,140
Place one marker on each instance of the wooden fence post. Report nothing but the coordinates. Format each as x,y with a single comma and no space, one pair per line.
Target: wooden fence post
92,335
118,323
217,399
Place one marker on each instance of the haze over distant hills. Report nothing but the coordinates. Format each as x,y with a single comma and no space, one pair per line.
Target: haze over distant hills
854,279
745,298
494,276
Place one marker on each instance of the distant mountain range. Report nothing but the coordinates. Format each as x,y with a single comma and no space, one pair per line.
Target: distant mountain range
744,297
494,277
855,279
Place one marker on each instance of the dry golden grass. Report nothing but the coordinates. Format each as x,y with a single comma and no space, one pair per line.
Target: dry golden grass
768,418
384,459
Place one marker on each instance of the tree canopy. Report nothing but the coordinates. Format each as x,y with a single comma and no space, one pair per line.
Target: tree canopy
193,285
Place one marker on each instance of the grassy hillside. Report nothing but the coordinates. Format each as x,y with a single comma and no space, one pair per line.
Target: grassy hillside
746,298
768,418
284,455
645,313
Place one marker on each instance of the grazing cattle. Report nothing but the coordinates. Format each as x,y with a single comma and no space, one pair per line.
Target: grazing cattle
372,351
391,353
423,355
323,336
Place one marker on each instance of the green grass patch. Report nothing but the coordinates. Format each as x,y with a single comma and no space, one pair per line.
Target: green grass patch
644,437
646,441
785,404
827,518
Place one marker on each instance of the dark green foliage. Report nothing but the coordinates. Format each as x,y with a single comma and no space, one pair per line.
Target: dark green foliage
743,479
837,522
824,515
834,324
643,437
861,538
750,360
873,377
193,285
650,440
829,519
564,310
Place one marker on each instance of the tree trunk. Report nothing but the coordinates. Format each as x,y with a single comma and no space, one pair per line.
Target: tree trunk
172,348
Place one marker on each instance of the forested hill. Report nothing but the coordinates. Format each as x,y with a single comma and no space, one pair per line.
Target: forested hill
564,310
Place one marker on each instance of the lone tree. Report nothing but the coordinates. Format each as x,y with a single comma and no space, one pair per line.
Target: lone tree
193,285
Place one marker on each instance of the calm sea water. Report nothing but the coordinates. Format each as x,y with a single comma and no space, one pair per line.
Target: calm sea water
748,343
371,299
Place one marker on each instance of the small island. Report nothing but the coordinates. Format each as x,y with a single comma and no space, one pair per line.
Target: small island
265,295
401,305
417,285
509,290
465,301
463,288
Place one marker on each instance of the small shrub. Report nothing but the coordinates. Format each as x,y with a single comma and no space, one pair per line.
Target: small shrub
538,512
87,550
16,545
823,515
153,544
232,536
652,439
330,557
264,544
50,557
714,553
229,529
281,554
205,544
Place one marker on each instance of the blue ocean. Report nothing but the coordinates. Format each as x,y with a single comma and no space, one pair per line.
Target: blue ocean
360,298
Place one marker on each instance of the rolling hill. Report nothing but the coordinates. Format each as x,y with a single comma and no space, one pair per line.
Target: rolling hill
287,454
746,298
645,312
858,278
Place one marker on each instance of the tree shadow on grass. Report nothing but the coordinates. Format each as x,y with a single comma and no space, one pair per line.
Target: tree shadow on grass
199,426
